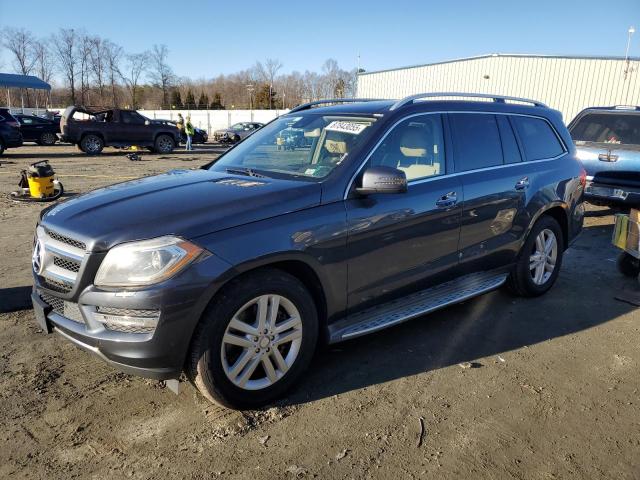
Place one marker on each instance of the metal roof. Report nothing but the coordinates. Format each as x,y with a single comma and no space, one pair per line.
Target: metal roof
11,80
511,55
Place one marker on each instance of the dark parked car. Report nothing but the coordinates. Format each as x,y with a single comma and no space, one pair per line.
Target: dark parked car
10,136
94,129
608,143
236,132
199,136
37,129
236,271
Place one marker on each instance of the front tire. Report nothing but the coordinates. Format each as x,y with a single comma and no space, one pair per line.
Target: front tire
254,340
628,265
539,260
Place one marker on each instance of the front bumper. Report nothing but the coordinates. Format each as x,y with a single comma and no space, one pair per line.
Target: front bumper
157,354
608,194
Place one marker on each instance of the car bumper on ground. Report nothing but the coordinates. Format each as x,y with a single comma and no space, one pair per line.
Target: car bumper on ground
141,332
607,194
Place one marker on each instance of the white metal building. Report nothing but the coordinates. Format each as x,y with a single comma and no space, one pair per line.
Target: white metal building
565,83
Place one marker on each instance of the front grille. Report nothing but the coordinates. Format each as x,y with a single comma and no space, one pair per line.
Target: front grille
67,240
56,286
66,264
66,309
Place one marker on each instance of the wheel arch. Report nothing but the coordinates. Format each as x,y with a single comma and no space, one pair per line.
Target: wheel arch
559,212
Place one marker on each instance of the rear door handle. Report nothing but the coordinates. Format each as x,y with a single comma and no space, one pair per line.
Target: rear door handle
522,184
447,200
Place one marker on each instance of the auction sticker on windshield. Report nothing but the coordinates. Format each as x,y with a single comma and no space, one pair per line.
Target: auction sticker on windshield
346,127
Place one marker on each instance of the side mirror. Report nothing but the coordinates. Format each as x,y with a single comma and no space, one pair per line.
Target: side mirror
382,180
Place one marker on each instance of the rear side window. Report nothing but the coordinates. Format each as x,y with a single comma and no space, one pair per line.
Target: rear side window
538,139
510,148
477,141
616,128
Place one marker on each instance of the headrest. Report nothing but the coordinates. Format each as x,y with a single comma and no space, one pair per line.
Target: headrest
414,143
335,146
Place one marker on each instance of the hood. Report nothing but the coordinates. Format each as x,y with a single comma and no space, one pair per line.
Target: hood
187,203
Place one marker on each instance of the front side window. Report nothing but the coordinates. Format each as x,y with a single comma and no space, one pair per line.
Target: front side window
131,118
538,139
415,146
477,141
612,128
306,145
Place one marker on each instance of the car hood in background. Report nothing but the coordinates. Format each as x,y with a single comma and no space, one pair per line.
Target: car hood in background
187,203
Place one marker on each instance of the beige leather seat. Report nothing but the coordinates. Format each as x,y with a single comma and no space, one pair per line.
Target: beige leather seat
416,150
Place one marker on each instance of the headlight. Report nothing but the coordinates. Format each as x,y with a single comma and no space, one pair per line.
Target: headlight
145,263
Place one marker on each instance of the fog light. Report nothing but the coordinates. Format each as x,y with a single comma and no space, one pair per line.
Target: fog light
127,320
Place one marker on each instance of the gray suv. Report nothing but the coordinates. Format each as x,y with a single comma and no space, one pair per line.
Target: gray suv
233,273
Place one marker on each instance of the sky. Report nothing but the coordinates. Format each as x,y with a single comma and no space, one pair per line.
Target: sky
207,38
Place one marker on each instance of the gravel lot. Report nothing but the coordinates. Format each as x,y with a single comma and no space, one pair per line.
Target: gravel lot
497,387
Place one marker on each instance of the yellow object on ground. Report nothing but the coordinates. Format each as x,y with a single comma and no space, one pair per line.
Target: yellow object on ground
40,187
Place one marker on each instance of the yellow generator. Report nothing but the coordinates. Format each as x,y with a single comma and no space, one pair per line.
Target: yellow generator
37,183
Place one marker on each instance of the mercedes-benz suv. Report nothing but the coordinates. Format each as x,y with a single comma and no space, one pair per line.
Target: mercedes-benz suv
233,273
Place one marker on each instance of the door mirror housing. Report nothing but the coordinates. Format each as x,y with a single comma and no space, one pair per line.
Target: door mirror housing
382,180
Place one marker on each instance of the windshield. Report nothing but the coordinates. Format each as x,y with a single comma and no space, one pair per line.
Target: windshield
613,128
308,145
239,126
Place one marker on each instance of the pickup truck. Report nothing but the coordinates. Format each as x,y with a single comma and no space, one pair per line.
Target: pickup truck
94,129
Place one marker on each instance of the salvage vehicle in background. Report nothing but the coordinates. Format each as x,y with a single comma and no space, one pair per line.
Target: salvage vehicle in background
38,129
234,272
93,129
10,136
608,143
236,132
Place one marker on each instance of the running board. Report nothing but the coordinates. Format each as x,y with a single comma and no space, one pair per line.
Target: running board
414,305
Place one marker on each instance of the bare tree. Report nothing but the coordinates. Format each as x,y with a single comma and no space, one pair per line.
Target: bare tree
268,72
98,63
84,62
20,43
160,72
43,62
65,46
113,56
136,65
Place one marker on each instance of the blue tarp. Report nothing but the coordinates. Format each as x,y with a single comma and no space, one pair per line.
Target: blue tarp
11,80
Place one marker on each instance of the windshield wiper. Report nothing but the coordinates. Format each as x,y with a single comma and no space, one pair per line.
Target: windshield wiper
245,171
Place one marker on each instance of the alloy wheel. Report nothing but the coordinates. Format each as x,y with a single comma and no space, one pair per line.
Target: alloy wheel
542,262
261,342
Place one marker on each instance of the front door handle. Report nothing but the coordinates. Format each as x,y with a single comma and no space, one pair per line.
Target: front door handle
522,184
447,200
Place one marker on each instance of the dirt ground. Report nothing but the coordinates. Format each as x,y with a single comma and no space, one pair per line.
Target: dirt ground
497,387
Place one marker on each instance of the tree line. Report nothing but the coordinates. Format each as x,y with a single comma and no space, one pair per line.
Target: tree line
89,70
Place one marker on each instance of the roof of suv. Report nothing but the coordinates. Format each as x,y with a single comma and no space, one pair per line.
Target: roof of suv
426,102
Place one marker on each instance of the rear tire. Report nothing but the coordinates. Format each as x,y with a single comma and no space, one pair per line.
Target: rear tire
1,147
539,260
91,144
275,363
164,144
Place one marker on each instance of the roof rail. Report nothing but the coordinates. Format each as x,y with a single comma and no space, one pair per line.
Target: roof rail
307,106
496,98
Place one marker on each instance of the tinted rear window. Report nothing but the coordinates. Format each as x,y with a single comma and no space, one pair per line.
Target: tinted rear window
477,141
616,128
538,138
509,145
